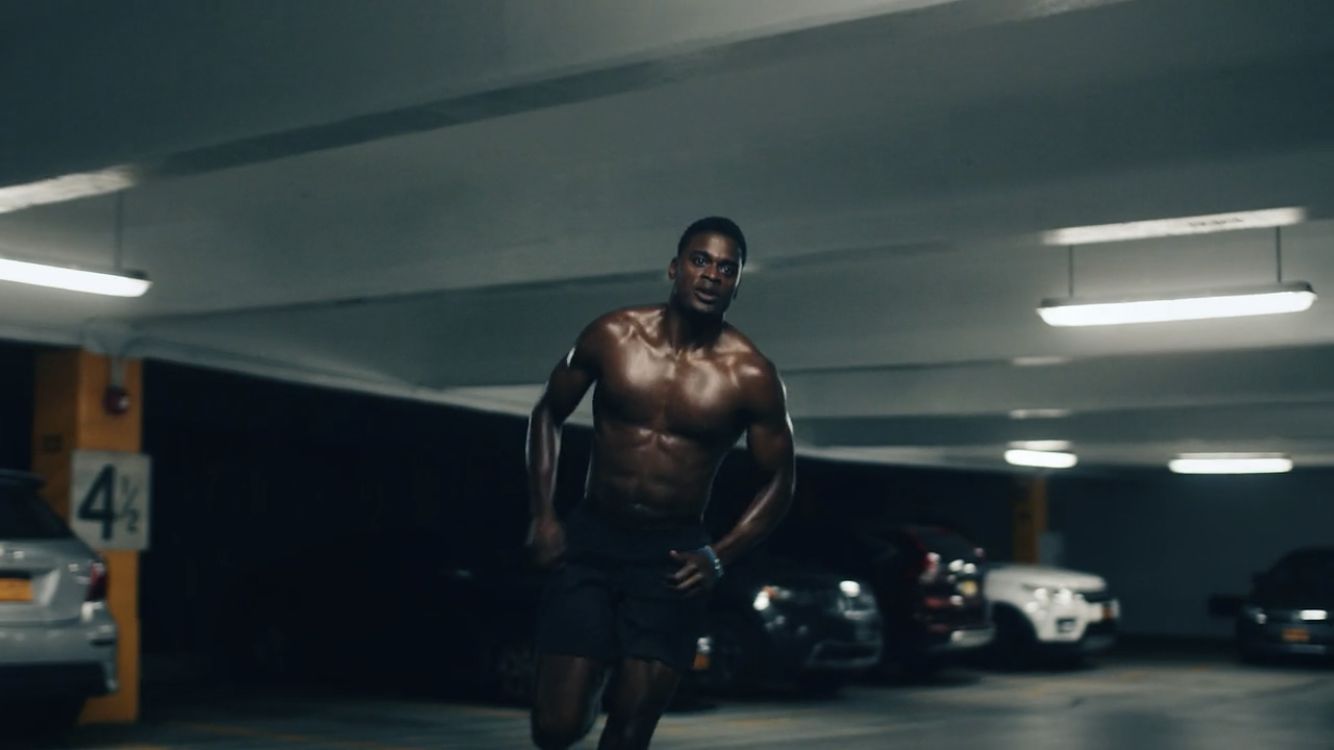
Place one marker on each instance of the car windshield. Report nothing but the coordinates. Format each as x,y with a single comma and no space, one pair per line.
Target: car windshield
23,515
1308,571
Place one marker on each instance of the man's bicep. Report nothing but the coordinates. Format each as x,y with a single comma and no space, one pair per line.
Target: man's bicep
769,435
573,376
770,443
565,389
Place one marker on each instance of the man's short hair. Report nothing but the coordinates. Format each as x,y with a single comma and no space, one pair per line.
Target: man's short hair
717,225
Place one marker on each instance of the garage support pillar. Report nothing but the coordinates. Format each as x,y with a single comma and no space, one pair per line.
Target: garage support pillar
1030,518
70,389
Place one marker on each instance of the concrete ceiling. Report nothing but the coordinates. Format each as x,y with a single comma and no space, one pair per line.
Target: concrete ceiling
429,199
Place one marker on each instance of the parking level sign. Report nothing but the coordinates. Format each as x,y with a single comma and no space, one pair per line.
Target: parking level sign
109,497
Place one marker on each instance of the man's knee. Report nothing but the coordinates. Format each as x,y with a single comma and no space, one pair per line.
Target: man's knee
556,731
629,731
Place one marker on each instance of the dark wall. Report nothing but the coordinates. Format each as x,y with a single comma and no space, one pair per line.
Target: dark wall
253,478
978,504
1167,542
16,405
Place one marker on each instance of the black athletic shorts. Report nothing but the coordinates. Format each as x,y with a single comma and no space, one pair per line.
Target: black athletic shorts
611,600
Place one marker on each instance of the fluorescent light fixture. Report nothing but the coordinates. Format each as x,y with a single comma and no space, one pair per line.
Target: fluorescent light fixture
1039,413
1140,230
1039,361
119,284
1273,299
1041,445
1313,615
1041,459
66,188
1230,463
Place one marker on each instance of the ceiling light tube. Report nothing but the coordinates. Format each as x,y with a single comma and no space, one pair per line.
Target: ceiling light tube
1230,463
1041,459
66,188
1041,445
1205,224
117,284
1042,413
1273,299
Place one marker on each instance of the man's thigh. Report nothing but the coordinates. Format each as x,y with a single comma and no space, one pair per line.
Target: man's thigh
567,696
577,616
655,623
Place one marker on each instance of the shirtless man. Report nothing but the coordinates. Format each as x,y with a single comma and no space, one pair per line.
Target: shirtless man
630,567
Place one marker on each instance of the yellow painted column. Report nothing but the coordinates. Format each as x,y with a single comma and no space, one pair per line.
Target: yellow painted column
70,388
1030,518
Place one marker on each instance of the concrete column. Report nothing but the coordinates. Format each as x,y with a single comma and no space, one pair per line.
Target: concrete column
70,390
1030,518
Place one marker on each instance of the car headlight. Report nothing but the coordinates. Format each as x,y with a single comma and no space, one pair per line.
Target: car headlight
1254,614
767,595
1050,594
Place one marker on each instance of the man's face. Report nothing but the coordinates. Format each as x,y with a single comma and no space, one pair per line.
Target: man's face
705,274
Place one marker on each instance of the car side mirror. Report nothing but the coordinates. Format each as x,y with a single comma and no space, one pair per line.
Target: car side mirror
1225,605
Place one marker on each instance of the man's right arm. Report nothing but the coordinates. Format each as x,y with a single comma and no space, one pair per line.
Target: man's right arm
569,381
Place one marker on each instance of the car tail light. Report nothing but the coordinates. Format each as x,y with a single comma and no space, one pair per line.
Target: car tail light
930,567
927,566
97,582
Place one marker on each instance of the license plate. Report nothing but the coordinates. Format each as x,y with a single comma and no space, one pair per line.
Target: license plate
1296,635
15,590
968,588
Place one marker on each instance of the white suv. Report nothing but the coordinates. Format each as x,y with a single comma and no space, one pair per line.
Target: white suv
57,639
1040,609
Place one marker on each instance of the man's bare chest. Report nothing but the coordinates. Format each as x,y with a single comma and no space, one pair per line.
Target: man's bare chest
681,394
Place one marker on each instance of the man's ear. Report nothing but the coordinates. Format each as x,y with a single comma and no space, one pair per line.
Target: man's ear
736,290
671,270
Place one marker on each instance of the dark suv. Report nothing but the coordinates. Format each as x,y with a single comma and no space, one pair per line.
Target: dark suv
774,621
928,581
1290,608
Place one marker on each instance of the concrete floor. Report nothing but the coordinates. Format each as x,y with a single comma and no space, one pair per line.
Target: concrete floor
1142,702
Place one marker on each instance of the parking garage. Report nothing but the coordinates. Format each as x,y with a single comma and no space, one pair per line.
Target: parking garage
279,463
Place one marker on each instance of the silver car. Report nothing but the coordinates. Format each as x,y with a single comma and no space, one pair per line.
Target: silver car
57,638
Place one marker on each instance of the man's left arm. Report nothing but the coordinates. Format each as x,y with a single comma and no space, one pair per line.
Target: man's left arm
769,437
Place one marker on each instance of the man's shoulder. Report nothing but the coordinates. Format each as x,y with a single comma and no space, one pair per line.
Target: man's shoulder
623,321
749,362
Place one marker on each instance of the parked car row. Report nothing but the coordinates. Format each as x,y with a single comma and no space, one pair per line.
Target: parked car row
902,598
941,601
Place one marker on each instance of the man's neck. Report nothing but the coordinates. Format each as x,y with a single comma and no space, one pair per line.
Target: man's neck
687,329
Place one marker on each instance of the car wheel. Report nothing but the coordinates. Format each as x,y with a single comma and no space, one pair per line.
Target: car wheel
516,672
1015,640
1248,655
919,666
